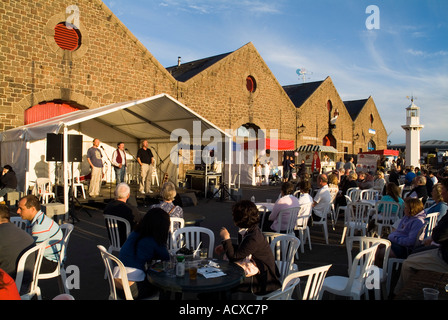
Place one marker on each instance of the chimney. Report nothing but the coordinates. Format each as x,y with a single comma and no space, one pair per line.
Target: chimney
178,61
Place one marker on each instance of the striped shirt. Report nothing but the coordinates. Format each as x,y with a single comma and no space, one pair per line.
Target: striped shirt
42,228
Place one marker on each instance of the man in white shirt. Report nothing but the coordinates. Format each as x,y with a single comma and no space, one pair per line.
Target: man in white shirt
119,162
322,199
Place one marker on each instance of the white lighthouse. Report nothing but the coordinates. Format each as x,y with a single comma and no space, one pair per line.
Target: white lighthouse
412,129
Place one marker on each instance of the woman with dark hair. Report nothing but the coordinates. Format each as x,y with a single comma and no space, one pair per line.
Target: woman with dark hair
246,217
8,180
146,243
392,195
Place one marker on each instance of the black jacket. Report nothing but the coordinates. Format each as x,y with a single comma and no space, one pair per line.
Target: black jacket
255,243
8,180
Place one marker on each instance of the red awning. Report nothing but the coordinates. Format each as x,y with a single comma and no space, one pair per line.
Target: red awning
270,144
385,152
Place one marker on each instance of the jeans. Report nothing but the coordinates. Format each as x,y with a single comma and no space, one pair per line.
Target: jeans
120,174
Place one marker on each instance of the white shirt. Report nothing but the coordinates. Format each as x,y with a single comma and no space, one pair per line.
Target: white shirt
114,158
322,199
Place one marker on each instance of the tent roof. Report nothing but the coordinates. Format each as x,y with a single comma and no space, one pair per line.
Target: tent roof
150,118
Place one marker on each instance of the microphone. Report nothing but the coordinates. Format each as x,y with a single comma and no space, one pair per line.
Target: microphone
101,147
126,149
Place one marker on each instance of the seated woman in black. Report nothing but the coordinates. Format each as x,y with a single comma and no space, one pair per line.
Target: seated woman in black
245,216
144,245
8,180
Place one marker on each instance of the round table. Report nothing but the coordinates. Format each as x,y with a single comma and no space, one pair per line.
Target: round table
193,219
268,205
168,282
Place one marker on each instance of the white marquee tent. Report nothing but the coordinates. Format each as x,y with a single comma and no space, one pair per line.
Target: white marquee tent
159,119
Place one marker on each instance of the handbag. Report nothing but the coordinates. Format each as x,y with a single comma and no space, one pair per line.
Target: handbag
249,266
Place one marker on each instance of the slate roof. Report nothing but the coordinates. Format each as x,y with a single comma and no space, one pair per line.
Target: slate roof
354,107
188,70
299,93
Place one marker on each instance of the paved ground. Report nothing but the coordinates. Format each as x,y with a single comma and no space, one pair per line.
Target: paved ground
90,232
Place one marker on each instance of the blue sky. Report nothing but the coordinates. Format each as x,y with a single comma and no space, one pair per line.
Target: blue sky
407,55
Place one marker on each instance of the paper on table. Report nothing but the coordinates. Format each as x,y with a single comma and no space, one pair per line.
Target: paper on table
210,272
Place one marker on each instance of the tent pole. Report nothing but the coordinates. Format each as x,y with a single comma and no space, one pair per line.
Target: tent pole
65,173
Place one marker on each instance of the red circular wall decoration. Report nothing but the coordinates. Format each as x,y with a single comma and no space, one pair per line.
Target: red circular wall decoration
67,36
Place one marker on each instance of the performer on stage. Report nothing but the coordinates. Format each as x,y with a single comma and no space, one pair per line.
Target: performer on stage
94,156
146,160
119,162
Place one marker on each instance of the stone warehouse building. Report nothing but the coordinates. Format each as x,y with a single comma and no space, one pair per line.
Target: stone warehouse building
56,57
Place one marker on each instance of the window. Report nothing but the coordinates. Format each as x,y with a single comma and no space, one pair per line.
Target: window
251,84
329,106
67,36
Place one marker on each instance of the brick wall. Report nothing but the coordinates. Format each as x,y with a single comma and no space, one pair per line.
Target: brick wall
363,123
110,66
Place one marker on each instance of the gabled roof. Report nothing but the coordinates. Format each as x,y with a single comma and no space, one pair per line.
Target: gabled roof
188,70
354,107
299,93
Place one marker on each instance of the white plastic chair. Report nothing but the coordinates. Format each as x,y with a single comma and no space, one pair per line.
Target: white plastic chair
110,261
393,264
154,176
60,272
352,286
323,222
77,183
190,237
290,216
366,242
262,211
369,194
387,216
302,226
287,289
175,223
19,222
44,189
351,195
112,223
313,287
356,218
431,219
36,253
284,248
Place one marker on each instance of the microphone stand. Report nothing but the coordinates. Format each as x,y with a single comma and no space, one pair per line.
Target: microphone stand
110,183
